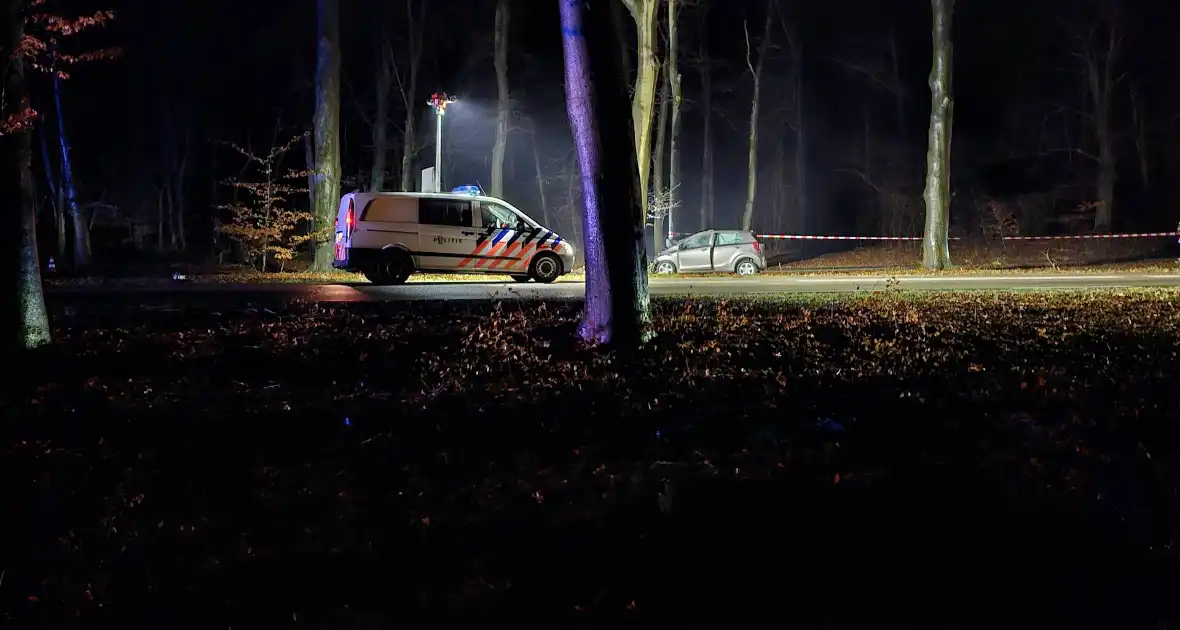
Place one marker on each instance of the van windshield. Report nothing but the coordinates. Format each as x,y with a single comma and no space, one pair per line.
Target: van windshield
500,215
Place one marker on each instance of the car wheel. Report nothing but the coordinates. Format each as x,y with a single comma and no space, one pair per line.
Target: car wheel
521,278
665,267
746,267
393,267
545,268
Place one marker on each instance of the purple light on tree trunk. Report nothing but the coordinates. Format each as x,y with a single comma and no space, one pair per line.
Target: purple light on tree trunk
618,309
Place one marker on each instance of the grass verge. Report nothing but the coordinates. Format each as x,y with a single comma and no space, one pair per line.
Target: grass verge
950,459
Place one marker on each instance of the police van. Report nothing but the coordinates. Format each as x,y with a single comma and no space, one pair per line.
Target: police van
388,236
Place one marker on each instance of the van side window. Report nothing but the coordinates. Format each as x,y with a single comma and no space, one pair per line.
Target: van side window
451,212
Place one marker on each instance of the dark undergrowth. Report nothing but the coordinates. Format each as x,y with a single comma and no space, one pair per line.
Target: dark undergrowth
943,461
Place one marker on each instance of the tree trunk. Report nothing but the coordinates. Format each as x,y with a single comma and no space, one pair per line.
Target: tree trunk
160,218
179,205
173,238
618,309
657,170
935,248
540,181
503,99
77,215
706,71
309,161
384,81
616,16
643,12
416,26
25,316
752,158
327,131
1100,78
673,70
1139,126
59,217
674,157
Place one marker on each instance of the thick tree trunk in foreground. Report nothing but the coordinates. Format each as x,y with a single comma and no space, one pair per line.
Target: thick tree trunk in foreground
618,309
503,99
69,192
25,318
935,249
327,130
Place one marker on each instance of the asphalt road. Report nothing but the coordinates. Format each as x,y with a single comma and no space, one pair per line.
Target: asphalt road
202,293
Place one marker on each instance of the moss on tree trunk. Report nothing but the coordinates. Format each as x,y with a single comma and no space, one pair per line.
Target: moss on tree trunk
327,131
24,316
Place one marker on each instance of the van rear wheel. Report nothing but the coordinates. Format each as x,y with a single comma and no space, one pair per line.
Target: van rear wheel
393,267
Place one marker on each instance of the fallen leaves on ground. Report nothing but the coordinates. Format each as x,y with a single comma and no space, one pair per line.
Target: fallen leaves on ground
955,456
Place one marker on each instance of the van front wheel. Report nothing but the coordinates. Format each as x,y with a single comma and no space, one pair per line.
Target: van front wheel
545,268
393,267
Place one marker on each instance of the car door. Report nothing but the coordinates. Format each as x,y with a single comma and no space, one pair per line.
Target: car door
726,248
448,233
693,255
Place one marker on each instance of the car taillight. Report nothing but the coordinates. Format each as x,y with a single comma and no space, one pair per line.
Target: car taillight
348,219
758,247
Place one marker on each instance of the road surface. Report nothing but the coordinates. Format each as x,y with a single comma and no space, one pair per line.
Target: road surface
712,286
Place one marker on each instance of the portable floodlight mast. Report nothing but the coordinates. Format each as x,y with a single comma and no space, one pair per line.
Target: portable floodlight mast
438,101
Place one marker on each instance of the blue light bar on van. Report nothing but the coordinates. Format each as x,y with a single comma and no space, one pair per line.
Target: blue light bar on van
467,190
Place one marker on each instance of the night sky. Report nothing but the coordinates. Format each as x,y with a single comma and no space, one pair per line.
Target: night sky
229,73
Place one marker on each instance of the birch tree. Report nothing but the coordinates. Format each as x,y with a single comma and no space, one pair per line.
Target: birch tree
755,70
705,68
672,67
326,130
657,189
935,248
503,98
643,13
618,309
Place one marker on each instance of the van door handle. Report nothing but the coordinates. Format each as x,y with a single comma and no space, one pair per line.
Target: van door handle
468,233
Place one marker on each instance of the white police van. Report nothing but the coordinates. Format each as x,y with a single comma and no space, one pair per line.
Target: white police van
388,236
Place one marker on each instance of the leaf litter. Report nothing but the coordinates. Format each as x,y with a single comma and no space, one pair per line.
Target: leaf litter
337,461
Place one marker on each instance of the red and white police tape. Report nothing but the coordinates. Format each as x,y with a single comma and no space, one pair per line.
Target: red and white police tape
810,237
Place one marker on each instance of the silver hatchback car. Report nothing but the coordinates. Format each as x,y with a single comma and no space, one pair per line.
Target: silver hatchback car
713,251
